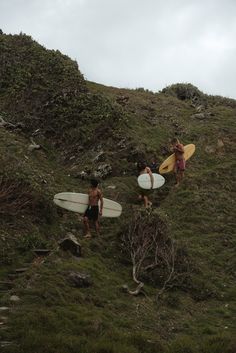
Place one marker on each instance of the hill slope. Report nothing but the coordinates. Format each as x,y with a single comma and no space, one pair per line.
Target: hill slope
83,126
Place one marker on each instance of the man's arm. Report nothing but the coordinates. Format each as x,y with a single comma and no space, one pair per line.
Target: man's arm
179,148
101,202
151,176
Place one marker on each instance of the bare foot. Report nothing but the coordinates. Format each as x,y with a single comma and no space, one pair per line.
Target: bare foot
87,236
149,205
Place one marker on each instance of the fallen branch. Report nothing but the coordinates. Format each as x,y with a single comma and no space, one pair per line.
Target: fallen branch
33,146
4,123
136,291
145,240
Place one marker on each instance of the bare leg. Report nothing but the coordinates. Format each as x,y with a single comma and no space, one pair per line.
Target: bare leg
147,202
97,227
177,178
181,175
145,199
87,228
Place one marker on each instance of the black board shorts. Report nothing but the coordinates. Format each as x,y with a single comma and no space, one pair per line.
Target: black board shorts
92,213
143,192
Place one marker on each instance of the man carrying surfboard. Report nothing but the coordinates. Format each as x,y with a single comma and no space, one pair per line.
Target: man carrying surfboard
178,150
92,212
142,169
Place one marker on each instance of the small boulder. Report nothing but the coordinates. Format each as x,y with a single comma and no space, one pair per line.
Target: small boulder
71,244
112,187
199,116
103,171
210,149
14,298
220,143
79,280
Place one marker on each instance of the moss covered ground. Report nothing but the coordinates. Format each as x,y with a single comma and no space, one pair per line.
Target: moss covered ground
198,314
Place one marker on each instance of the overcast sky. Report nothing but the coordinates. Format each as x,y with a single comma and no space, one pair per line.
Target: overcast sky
136,43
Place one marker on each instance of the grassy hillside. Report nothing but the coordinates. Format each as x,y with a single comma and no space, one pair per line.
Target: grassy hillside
187,304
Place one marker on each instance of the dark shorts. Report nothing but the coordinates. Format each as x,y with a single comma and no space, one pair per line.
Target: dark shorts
92,213
180,165
143,192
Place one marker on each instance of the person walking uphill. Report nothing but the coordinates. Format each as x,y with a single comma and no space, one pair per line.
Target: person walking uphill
92,212
142,169
178,150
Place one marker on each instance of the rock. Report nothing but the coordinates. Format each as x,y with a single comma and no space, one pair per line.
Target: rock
122,144
122,100
71,244
14,298
220,143
41,252
135,155
100,157
210,149
103,171
79,280
200,116
199,108
4,308
82,175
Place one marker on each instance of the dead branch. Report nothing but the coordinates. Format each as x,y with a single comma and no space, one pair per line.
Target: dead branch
4,123
15,196
145,242
153,253
33,146
136,291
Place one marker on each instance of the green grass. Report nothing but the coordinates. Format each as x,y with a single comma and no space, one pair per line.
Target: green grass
54,317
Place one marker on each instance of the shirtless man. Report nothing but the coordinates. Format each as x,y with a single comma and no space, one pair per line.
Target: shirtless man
142,169
93,211
178,149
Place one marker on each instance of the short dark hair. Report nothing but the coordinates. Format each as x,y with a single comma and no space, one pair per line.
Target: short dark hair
94,183
141,165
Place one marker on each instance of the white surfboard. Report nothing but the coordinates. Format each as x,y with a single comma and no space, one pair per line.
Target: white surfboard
77,202
144,181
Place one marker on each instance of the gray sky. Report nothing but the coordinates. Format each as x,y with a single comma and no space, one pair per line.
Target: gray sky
136,43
